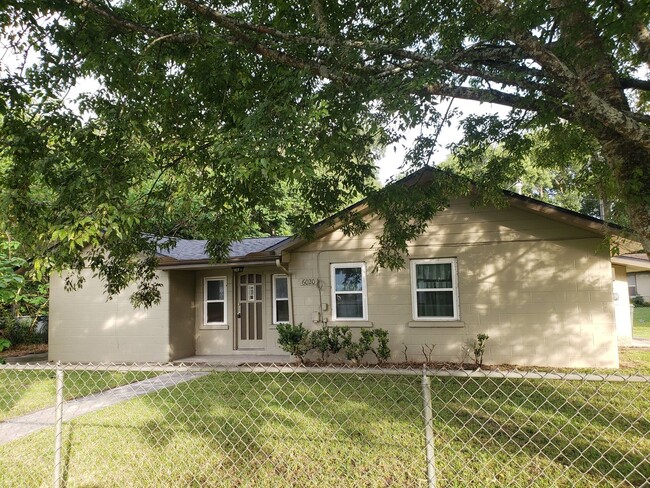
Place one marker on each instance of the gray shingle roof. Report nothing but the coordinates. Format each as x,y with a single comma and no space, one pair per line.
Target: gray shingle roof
191,250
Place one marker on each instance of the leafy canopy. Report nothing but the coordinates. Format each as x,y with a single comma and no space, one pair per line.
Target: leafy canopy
230,99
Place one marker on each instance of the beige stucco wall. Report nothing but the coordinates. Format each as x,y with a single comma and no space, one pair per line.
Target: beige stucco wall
621,299
221,339
541,290
86,327
182,311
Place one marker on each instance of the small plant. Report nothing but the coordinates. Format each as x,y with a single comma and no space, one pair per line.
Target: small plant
294,339
427,351
478,349
354,351
320,340
328,340
638,301
382,352
405,352
4,344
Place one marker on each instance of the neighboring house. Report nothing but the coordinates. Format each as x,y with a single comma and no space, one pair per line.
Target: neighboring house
637,267
534,277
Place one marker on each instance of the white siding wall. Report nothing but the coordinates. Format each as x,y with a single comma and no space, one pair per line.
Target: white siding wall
85,327
540,289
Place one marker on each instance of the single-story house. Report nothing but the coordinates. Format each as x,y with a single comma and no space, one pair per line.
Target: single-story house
538,279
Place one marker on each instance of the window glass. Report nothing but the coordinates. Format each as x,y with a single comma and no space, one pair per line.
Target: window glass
215,312
434,291
214,301
349,296
434,275
215,290
348,279
281,287
280,299
282,311
349,306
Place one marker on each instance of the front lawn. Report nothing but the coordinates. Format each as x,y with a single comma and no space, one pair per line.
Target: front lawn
245,429
25,391
634,360
641,328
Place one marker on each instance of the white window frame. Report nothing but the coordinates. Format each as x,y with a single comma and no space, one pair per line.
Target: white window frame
364,291
275,298
206,301
454,288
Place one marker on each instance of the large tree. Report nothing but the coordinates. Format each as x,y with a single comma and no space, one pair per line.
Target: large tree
236,96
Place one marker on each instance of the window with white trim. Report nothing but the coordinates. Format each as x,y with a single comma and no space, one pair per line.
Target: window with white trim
434,288
349,291
214,301
281,299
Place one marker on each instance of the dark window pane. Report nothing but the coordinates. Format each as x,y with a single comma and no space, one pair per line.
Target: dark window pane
243,279
349,306
258,278
215,290
282,310
433,275
258,322
348,279
281,287
215,312
258,292
435,304
251,321
243,322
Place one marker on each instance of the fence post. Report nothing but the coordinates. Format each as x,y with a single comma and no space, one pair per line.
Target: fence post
58,415
428,428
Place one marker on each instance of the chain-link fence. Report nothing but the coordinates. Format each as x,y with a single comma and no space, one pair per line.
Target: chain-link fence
209,425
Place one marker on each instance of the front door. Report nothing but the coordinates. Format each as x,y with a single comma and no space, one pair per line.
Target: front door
251,331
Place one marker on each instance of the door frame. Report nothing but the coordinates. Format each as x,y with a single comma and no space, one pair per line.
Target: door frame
260,312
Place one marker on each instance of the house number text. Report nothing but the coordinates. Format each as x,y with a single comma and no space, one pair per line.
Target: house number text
309,282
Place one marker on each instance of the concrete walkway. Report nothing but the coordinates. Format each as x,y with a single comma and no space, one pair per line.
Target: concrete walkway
236,359
18,427
637,342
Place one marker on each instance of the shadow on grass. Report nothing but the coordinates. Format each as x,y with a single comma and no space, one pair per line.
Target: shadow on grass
586,427
591,432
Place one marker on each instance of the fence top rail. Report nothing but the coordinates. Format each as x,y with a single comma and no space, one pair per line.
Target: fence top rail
329,369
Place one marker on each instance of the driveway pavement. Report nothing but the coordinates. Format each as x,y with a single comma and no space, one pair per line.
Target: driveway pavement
19,427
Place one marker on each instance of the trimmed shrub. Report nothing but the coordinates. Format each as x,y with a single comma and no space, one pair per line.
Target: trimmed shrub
294,339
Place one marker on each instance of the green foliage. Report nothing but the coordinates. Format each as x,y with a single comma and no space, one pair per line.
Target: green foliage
209,114
381,351
638,301
20,331
328,340
10,281
21,291
354,350
294,339
4,344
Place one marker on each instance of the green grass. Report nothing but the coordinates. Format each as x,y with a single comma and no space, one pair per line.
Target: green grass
641,327
268,430
24,391
634,360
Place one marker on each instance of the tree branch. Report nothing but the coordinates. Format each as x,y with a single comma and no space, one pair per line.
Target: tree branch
587,102
116,20
635,84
